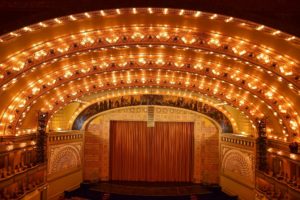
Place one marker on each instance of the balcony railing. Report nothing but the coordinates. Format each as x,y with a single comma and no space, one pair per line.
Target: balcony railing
280,183
65,136
238,140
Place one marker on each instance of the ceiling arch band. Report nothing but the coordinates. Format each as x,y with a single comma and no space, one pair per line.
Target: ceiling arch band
165,63
235,54
79,92
213,43
91,99
150,99
154,66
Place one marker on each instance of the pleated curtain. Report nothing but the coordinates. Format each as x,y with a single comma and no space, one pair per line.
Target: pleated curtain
162,153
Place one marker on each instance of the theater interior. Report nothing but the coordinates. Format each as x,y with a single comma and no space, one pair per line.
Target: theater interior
149,100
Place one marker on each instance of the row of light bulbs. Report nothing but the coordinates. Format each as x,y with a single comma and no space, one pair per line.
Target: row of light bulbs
87,87
181,64
215,42
165,11
41,52
36,90
176,63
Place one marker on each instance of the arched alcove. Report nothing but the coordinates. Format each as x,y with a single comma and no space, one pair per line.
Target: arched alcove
205,148
246,72
151,99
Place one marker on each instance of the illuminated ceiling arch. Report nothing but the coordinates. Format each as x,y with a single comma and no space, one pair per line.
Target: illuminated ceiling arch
144,109
60,120
156,100
252,67
150,99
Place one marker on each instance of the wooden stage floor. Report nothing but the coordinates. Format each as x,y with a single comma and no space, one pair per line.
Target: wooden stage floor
150,189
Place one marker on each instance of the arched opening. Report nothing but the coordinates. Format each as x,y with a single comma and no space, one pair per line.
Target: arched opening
151,100
204,134
234,83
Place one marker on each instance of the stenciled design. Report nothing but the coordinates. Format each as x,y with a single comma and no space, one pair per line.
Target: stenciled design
237,162
153,100
206,139
64,157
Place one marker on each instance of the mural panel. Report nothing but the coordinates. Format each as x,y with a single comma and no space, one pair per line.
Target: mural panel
153,100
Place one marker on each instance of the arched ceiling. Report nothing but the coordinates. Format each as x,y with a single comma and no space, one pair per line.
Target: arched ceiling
150,100
64,118
138,113
250,66
274,13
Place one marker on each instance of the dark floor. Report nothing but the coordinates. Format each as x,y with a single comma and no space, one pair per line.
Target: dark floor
150,188
147,191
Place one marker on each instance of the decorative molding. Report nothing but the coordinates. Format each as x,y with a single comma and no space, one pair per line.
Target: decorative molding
64,157
64,137
206,137
238,164
150,100
238,141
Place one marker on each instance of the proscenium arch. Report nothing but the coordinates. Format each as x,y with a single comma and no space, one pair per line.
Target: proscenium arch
175,115
89,120
253,45
80,103
96,90
153,100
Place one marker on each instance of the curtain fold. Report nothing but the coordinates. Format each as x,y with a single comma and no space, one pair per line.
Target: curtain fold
158,154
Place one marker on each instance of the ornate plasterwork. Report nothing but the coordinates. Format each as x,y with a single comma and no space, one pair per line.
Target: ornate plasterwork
64,157
206,140
153,99
238,164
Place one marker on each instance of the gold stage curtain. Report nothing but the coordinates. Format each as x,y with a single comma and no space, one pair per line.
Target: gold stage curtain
163,153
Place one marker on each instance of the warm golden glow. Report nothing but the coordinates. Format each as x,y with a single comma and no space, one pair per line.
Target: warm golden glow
252,76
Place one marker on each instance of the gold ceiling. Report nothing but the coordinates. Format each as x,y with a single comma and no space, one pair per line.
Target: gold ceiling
249,66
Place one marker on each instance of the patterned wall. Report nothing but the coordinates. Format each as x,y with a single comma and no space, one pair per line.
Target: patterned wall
64,158
64,166
238,164
206,152
153,99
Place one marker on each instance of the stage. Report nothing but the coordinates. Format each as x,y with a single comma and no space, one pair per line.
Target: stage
147,191
150,189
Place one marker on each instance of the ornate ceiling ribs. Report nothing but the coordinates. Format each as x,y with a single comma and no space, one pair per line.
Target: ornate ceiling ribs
154,63
152,77
201,52
216,43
